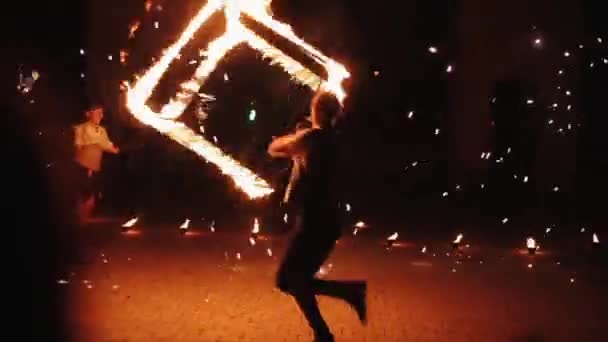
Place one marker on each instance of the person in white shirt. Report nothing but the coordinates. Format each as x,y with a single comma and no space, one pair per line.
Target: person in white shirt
91,141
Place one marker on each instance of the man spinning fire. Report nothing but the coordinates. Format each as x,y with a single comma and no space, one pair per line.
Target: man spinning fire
313,151
91,142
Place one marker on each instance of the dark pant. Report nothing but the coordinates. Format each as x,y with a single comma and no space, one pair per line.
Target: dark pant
307,252
88,183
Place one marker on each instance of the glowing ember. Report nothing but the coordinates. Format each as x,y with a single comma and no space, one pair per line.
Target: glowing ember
254,233
348,207
458,239
393,237
130,223
596,239
133,28
423,250
269,252
238,256
123,57
256,227
433,49
360,224
236,34
532,245
185,225
285,218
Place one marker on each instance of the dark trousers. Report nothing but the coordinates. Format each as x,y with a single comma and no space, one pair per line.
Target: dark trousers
307,252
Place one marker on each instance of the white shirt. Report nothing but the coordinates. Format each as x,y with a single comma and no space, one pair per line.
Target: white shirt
91,140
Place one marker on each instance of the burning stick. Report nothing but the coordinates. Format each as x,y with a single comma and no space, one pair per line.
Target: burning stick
184,227
531,245
456,242
236,33
129,224
391,240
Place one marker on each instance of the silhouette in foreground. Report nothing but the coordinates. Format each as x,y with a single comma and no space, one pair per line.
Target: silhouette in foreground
313,152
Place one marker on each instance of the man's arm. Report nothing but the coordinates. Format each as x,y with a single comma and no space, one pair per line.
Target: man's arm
291,145
106,144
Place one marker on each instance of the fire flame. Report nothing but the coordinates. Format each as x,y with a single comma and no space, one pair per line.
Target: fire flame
393,237
596,239
236,33
133,28
130,223
458,238
531,243
256,227
185,225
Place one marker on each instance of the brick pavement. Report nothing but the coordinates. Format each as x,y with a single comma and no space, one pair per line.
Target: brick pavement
160,286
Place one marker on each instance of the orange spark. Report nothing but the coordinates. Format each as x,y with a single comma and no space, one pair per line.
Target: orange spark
130,223
133,28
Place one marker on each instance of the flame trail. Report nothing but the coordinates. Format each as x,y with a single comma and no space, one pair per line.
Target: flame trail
235,34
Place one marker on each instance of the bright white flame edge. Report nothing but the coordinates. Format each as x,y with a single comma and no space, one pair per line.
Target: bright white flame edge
236,33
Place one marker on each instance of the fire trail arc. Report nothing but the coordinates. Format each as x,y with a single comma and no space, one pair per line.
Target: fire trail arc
236,33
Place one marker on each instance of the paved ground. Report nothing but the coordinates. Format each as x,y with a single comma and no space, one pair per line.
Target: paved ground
155,285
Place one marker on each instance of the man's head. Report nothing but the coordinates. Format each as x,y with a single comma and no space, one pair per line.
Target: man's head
95,114
325,108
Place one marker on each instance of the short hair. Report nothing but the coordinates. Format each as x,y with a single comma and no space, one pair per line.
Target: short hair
92,108
327,106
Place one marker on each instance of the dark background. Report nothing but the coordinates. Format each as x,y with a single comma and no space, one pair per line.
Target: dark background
480,107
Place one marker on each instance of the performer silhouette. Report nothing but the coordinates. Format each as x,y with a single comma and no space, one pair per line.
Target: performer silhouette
313,152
